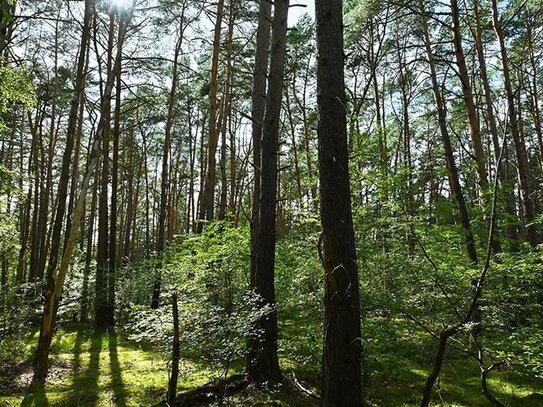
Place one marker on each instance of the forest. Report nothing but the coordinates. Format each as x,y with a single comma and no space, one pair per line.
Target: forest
297,203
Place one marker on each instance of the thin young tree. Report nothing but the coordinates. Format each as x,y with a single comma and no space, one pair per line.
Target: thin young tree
40,362
208,194
53,295
165,181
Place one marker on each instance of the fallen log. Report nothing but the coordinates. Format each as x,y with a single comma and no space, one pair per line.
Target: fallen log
209,392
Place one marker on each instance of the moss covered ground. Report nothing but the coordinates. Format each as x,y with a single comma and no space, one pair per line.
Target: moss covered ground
90,369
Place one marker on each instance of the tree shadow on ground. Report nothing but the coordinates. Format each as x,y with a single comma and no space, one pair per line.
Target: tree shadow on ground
117,384
35,395
84,389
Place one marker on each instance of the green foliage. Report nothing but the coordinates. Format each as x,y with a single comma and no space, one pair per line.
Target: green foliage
300,290
217,312
515,296
15,88
5,16
20,309
8,231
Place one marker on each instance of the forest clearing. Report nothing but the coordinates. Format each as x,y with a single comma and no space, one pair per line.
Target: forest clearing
253,203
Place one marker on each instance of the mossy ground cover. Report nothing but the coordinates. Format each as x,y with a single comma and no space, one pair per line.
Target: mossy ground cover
90,369
399,357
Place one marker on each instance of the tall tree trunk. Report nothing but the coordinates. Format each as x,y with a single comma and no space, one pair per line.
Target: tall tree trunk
258,107
471,110
38,228
131,203
112,249
408,197
101,299
88,253
172,384
208,194
52,298
165,178
232,197
294,148
447,146
341,375
226,121
24,214
224,117
534,99
192,168
42,353
203,171
523,169
509,198
302,105
224,177
265,365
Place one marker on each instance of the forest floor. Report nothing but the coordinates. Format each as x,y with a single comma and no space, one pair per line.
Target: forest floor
90,369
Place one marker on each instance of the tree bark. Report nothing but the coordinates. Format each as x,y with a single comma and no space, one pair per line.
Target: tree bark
264,368
113,238
341,375
208,194
509,198
56,283
473,121
101,299
523,170
172,385
258,108
447,146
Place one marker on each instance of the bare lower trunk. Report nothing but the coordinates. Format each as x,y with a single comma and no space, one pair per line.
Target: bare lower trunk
341,374
264,368
172,385
258,107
